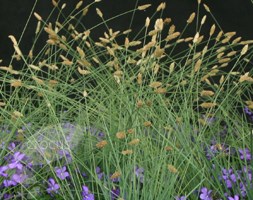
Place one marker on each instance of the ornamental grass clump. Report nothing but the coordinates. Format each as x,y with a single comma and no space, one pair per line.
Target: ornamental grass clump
153,113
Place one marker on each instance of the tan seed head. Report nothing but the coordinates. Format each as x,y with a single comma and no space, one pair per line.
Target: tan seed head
99,13
143,7
244,49
203,20
197,65
168,148
160,91
208,105
55,3
16,83
219,36
212,30
172,169
172,29
206,8
147,22
222,78
161,6
101,144
245,77
191,18
2,104
155,84
172,67
159,24
147,123
207,93
116,174
196,37
79,4
139,103
121,135
37,16
130,131
134,141
127,152
17,114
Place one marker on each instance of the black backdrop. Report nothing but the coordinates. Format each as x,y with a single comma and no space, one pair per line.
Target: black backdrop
233,15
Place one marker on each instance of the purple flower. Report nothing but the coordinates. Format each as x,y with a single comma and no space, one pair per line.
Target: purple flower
12,146
229,177
101,135
215,149
115,193
139,172
86,194
243,189
8,183
181,198
245,154
15,163
19,178
61,172
205,194
53,187
245,174
2,171
65,153
212,151
99,173
236,197
247,111
8,196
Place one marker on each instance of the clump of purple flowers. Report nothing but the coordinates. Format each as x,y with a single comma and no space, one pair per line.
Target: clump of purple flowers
237,178
248,113
86,194
214,150
247,173
139,173
245,154
229,177
99,173
15,166
115,192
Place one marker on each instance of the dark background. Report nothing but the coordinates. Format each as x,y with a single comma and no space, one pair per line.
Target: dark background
232,15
